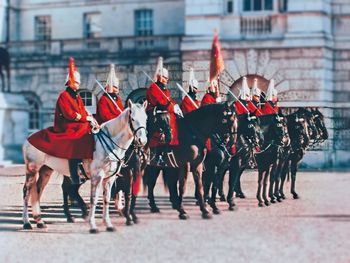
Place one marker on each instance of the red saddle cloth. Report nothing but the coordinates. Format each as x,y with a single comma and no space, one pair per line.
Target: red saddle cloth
74,143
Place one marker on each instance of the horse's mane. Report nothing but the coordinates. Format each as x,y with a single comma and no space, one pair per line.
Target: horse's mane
204,111
116,123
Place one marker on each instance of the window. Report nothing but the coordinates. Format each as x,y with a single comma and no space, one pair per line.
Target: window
229,6
144,22
283,5
92,25
89,100
42,28
257,5
34,115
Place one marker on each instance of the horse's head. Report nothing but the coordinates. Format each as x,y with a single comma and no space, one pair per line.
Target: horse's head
248,127
309,118
227,127
320,125
159,122
298,130
138,122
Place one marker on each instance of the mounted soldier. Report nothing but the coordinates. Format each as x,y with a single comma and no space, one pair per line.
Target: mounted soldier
110,104
70,137
254,104
159,97
270,106
212,95
190,101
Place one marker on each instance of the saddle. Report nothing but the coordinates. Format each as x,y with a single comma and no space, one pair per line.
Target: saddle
163,157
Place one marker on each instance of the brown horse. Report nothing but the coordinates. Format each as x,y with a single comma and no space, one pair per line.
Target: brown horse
5,65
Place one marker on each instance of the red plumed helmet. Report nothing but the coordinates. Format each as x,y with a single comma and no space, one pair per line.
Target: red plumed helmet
73,74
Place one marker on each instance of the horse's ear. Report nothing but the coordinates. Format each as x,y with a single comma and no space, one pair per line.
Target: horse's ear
129,103
144,104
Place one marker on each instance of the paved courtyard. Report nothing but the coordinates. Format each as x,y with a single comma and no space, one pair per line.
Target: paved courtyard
315,228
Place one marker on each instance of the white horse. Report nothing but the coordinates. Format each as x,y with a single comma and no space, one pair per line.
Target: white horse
128,126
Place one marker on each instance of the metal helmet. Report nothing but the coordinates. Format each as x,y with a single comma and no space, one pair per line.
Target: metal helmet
73,74
255,91
244,93
112,80
271,94
160,70
192,82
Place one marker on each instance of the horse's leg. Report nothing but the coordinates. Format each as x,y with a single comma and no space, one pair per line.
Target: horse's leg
152,174
181,175
132,209
238,187
95,189
128,180
293,171
197,176
273,175
284,173
258,194
266,178
171,177
66,186
221,186
234,171
29,185
216,179
135,190
74,192
107,185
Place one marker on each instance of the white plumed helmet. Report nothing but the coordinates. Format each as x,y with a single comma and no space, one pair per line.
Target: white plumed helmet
255,91
160,70
112,80
271,93
192,82
244,93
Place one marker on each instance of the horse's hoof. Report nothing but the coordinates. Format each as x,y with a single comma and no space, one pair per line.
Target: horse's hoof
155,209
135,219
197,202
267,203
183,216
279,199
295,196
93,231
40,225
206,216
231,207
216,211
111,229
283,196
272,200
261,204
222,198
27,226
129,222
240,195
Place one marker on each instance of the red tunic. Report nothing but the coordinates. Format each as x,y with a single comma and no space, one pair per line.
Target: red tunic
157,97
269,108
68,138
106,110
208,99
187,105
240,109
254,109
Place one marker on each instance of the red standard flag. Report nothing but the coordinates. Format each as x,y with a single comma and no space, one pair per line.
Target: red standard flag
216,61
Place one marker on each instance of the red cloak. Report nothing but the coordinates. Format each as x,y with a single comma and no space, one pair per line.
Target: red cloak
106,110
187,105
162,98
69,138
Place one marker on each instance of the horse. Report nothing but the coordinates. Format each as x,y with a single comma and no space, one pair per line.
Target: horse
129,125
299,139
217,159
5,65
194,129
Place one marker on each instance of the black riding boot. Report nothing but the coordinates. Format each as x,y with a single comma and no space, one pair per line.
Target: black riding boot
73,170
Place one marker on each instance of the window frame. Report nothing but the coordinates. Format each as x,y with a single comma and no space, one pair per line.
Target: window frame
252,6
144,22
87,32
92,107
43,28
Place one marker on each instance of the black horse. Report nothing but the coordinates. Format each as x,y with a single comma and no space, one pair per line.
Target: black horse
5,66
218,158
128,181
194,129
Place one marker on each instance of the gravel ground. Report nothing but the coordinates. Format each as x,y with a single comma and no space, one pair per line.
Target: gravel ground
315,228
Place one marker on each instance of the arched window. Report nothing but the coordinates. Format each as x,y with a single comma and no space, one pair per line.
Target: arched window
89,100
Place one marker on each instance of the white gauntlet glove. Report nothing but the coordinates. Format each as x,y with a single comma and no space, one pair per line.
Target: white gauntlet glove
218,100
177,110
93,123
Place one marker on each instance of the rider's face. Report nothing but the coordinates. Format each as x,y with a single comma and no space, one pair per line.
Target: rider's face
76,85
163,80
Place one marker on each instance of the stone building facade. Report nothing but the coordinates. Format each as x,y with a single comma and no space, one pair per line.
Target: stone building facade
302,44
